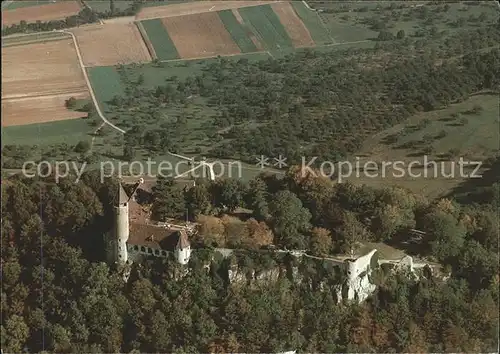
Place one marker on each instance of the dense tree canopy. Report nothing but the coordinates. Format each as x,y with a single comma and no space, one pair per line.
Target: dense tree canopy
57,295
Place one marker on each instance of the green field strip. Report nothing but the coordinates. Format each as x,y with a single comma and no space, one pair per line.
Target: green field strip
237,31
160,39
106,83
267,24
35,38
68,131
311,19
26,3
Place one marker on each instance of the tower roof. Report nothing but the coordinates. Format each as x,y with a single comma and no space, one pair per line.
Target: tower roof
183,241
122,195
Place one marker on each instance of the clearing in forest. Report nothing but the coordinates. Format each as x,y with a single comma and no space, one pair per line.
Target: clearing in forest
45,12
200,36
294,26
35,86
195,7
160,40
267,25
241,35
111,44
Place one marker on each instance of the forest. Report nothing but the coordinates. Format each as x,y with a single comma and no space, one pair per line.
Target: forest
58,295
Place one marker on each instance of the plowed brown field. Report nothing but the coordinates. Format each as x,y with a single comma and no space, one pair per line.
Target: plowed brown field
195,8
298,32
47,12
30,110
111,44
200,35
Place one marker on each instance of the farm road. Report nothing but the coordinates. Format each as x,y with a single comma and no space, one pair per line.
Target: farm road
91,90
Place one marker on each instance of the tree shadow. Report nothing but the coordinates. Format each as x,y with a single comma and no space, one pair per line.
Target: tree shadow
478,190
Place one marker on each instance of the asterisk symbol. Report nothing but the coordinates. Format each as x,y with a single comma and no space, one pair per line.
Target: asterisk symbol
280,161
262,161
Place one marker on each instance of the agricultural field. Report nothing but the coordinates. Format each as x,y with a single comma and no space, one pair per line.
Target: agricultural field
103,5
35,86
39,109
195,7
313,23
441,135
45,12
50,68
242,36
45,134
200,36
294,26
276,27
159,39
23,39
266,24
111,44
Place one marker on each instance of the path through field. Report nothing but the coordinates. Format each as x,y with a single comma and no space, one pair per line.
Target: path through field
89,85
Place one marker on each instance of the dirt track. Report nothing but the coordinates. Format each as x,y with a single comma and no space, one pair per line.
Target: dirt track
46,12
111,44
295,28
40,109
195,8
200,35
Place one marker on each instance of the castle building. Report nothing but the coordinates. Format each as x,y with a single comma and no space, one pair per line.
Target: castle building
130,243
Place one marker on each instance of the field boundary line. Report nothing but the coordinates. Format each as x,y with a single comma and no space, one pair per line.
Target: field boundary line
214,56
29,97
307,5
196,13
89,85
145,39
320,20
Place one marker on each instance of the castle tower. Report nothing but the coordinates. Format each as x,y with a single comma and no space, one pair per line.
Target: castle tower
121,231
183,248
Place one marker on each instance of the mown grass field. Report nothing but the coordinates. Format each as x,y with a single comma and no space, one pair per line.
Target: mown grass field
267,26
160,39
103,5
313,23
474,139
106,83
237,31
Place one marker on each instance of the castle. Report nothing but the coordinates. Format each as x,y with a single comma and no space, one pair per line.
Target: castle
133,243
124,248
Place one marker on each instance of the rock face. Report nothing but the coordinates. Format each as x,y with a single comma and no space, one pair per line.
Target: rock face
354,286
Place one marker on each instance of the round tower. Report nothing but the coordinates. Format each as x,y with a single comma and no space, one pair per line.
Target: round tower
121,227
